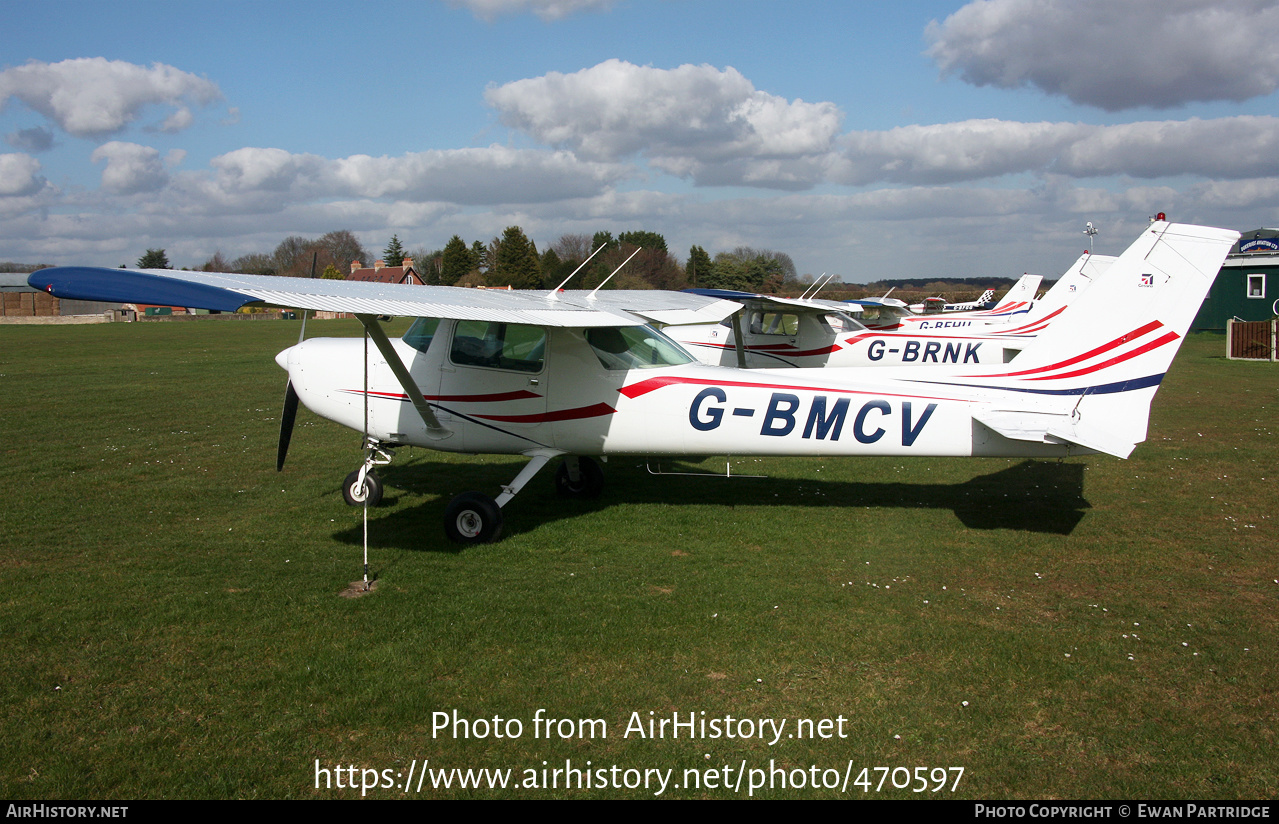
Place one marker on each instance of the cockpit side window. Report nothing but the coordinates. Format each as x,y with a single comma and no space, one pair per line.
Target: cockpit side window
634,347
840,322
510,346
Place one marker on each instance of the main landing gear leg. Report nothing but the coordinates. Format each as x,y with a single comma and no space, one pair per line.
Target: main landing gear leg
579,477
475,518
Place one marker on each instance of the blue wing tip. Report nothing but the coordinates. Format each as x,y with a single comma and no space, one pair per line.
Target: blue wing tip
133,286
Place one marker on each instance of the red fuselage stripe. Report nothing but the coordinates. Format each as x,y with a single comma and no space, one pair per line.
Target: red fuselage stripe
593,411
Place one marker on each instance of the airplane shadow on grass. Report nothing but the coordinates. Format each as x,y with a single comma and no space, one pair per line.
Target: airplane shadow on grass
1032,496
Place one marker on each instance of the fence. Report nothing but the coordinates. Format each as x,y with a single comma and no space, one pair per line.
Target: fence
1251,340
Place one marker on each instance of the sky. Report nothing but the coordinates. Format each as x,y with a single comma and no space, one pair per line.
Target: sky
867,139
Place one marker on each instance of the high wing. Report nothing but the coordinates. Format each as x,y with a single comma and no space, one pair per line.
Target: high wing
814,305
888,307
229,292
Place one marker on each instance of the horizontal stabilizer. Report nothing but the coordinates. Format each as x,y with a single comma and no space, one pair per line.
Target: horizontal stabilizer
1039,427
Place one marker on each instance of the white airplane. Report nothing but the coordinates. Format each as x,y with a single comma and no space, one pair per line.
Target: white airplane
937,306
580,376
779,332
891,314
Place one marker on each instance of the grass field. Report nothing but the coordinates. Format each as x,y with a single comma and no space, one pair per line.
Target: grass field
172,625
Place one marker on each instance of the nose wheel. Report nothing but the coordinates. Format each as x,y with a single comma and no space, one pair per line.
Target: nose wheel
362,491
363,487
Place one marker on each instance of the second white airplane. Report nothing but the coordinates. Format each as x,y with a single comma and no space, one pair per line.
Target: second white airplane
779,332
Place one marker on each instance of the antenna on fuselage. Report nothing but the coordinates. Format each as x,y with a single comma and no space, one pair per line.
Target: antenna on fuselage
552,295
820,286
819,280
591,296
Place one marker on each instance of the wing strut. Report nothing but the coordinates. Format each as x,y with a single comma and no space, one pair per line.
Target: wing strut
434,428
738,343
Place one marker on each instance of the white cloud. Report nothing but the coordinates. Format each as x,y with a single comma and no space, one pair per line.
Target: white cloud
496,174
253,169
714,127
1232,147
178,121
692,121
95,97
489,10
1114,54
259,177
1240,196
19,175
130,168
951,152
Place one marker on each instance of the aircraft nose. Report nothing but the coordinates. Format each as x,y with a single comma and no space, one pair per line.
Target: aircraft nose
283,358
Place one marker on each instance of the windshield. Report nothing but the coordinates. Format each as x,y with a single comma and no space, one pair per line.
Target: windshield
421,333
634,347
840,322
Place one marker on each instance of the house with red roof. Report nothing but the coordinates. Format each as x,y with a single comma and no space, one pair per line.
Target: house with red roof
381,273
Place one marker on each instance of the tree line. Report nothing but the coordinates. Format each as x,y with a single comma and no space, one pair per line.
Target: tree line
512,259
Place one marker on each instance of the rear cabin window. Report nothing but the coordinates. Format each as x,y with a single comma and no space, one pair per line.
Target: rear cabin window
773,323
510,346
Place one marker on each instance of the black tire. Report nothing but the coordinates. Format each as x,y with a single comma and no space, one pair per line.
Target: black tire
372,489
589,484
473,518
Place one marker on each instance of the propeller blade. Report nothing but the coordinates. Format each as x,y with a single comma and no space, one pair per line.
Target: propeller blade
286,424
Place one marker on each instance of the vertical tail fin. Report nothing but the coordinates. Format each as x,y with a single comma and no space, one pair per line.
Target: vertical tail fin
1072,284
1107,353
1016,302
1068,287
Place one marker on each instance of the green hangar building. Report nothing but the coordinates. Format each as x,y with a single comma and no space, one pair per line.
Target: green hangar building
1248,286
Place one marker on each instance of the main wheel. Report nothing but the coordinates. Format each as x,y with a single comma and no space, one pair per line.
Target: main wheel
473,518
355,495
589,483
